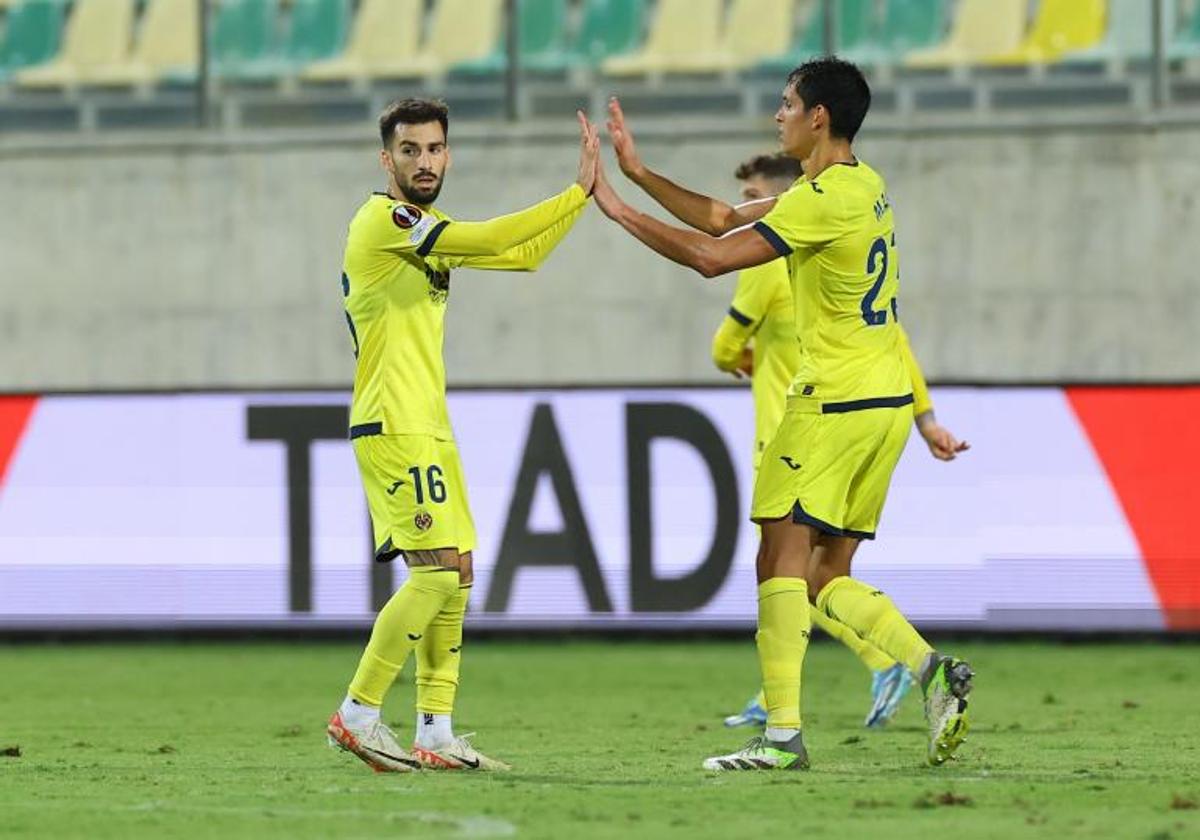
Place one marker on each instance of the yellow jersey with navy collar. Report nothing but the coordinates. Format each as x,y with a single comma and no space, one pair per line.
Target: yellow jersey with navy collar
836,232
396,284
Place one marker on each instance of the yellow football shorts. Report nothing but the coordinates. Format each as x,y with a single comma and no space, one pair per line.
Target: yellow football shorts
416,493
831,471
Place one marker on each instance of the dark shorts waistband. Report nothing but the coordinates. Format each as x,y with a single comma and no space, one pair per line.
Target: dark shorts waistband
365,430
863,405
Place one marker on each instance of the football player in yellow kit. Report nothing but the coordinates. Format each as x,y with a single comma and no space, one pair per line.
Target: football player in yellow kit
757,338
825,474
400,251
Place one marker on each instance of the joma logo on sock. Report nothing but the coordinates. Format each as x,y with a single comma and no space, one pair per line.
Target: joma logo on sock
787,460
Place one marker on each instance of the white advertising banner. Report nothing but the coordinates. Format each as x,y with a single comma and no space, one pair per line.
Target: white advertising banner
595,507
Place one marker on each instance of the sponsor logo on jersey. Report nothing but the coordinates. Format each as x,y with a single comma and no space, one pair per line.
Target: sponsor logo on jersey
406,216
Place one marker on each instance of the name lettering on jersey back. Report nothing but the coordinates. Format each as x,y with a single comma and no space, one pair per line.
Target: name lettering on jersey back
882,206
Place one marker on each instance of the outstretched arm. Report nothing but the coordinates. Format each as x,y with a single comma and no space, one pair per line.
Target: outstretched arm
503,234
529,255
703,253
709,215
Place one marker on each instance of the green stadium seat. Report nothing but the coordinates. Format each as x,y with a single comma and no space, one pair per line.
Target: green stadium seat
610,27
243,35
541,25
32,35
907,25
315,30
1186,42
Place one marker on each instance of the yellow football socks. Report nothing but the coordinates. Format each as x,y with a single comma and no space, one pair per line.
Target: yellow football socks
439,654
874,617
400,625
871,656
783,629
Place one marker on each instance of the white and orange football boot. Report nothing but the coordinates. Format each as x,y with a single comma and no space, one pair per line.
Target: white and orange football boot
375,744
457,755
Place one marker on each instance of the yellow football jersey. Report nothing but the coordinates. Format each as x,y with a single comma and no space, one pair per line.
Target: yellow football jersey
762,309
396,283
836,232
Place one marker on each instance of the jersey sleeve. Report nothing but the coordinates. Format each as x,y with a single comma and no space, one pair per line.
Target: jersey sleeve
804,217
751,300
921,399
502,234
528,255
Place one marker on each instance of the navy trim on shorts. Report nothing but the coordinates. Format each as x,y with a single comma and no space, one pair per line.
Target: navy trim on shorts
781,247
863,405
387,552
744,320
799,517
365,429
425,247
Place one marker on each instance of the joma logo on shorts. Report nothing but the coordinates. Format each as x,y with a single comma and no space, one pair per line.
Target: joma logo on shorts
787,460
392,490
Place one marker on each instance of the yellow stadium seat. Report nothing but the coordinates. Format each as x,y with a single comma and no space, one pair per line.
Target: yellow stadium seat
685,36
168,44
1061,26
981,28
460,30
97,35
758,30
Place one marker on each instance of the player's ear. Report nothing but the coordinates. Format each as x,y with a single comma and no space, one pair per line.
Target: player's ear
385,160
449,159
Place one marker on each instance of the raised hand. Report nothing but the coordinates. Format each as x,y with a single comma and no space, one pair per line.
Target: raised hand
589,153
942,444
606,197
622,140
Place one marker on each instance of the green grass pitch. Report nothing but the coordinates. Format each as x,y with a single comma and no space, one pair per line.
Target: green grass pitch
226,740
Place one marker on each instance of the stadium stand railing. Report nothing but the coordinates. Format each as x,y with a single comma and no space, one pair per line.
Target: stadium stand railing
124,63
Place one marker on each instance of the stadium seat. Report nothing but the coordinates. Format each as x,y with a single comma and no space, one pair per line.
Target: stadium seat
1186,41
541,25
167,46
1060,26
382,30
1130,33
610,27
98,34
981,28
315,30
242,35
758,30
907,25
809,39
31,36
460,31
685,36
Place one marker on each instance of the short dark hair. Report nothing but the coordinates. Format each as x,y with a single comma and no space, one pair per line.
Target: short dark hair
770,166
840,87
412,112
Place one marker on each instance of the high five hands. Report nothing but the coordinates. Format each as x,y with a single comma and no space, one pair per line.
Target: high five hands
594,180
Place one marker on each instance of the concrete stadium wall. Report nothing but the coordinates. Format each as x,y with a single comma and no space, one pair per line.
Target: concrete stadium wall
211,261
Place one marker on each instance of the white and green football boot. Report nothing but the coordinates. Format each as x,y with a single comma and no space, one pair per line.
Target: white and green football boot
947,687
762,754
